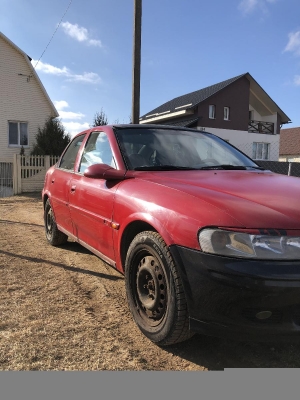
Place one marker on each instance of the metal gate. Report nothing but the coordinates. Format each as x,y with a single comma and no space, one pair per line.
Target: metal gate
6,179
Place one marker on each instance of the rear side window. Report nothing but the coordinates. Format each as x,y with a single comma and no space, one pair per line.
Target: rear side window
69,157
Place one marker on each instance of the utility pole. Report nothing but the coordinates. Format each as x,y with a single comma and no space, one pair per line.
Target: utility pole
136,70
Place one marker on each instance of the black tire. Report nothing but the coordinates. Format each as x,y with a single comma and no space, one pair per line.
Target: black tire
54,236
154,291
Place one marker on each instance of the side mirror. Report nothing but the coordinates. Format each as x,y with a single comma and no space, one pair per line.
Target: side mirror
104,171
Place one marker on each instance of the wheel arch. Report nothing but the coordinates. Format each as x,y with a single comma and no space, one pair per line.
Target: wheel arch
46,196
135,227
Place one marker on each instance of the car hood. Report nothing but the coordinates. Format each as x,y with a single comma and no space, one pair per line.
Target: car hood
256,199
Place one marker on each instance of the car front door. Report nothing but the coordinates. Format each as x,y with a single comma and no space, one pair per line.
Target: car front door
91,200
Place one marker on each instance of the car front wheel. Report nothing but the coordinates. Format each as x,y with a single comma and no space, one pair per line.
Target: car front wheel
54,236
154,290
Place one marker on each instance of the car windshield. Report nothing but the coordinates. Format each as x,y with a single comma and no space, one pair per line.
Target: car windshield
146,148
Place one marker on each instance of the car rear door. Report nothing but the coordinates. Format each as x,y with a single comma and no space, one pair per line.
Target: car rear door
91,200
60,185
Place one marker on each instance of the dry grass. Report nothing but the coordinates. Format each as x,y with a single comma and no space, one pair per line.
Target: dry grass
64,309
61,308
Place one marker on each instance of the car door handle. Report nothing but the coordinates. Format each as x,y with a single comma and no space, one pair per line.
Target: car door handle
73,188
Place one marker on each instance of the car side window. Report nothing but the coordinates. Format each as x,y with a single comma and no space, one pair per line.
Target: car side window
97,151
68,159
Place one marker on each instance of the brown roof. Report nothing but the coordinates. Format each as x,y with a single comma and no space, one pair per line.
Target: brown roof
289,141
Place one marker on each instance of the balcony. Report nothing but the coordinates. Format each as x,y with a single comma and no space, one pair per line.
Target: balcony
261,127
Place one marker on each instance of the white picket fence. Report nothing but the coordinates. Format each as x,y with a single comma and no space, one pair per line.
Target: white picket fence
29,172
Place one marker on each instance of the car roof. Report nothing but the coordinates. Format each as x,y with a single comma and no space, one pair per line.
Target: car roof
140,126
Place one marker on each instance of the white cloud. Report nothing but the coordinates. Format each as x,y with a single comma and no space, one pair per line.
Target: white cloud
248,6
75,127
297,80
94,42
294,47
87,77
70,115
61,104
294,43
72,127
79,33
50,69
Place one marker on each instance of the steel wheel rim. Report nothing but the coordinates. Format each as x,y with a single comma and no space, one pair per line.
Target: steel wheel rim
150,290
49,222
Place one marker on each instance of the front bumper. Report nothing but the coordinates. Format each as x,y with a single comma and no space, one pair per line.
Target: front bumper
238,298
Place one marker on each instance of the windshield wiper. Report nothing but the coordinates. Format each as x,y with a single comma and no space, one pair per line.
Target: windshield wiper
255,167
162,168
224,166
171,167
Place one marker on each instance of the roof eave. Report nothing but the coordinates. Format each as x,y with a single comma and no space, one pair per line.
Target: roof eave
284,118
180,113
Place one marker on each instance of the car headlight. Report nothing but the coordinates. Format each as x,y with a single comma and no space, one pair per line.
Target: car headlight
244,245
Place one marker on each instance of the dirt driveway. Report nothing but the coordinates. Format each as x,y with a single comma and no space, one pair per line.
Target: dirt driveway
64,309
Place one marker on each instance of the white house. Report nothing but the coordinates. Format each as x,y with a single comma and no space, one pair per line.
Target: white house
24,102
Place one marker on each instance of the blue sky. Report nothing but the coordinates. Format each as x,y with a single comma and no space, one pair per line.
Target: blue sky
186,45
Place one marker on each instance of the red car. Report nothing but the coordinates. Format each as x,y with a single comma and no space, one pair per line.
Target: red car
208,241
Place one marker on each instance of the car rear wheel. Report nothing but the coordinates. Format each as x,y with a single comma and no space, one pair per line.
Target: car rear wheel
154,290
54,236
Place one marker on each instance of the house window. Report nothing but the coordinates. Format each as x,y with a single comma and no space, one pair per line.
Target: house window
251,115
17,133
261,151
212,111
226,113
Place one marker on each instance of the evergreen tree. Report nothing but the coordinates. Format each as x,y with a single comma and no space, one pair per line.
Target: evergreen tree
100,118
51,139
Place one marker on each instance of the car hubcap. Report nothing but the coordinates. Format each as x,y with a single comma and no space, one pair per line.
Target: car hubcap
151,288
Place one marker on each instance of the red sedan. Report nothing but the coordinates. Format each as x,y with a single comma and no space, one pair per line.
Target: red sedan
208,241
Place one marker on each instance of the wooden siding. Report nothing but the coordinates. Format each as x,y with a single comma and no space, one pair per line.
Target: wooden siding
20,100
234,96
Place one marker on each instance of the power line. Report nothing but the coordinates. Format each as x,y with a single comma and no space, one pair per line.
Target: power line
53,34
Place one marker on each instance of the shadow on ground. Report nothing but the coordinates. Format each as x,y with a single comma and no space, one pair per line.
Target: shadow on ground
61,265
218,354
